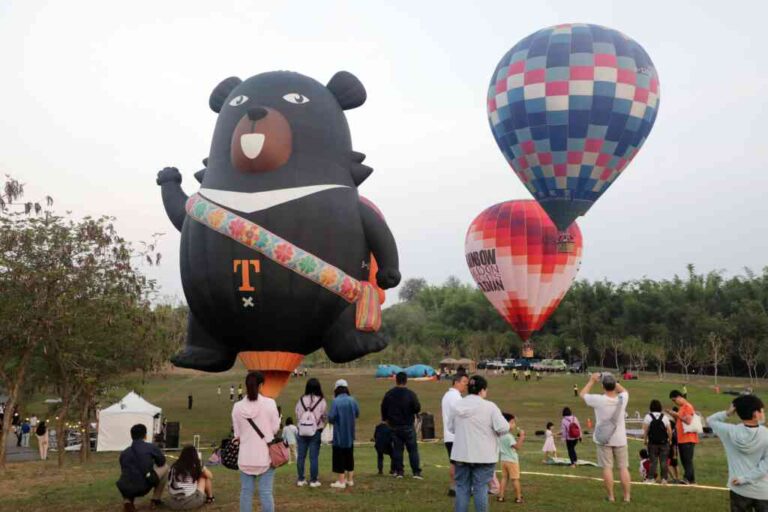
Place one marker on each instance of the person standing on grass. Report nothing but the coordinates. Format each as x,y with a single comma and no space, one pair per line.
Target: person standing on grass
510,462
450,398
476,424
746,448
657,434
686,441
570,431
610,433
344,412
255,422
136,462
42,440
399,409
310,412
26,429
232,393
291,436
239,391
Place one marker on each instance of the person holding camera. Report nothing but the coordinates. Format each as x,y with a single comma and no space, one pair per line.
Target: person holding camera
610,433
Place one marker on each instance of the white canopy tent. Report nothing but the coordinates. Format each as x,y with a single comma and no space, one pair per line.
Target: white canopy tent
115,422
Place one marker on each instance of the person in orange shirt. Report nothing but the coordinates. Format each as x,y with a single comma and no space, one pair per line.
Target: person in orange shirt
686,441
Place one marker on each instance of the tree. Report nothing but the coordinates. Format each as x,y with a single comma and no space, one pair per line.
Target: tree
57,275
547,346
685,355
749,350
411,288
658,352
602,345
637,351
718,351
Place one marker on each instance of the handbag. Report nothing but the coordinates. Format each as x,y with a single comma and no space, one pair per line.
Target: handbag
229,454
695,426
278,451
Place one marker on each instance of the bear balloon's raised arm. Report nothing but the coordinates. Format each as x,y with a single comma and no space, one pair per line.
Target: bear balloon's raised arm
174,198
382,245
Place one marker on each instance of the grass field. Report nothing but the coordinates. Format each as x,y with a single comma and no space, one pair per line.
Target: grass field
42,486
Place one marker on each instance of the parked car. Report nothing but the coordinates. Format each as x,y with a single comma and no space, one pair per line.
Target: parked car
576,367
524,364
551,365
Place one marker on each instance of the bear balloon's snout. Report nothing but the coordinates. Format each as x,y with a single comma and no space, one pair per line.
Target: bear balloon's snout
262,141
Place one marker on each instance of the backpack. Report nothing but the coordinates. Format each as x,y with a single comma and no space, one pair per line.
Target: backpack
657,432
307,420
574,431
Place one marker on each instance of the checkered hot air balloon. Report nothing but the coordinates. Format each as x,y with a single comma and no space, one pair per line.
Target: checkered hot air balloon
569,107
511,250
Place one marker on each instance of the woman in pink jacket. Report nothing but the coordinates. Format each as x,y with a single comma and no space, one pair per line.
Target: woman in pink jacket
255,410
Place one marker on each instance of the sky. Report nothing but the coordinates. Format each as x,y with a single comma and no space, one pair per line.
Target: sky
98,96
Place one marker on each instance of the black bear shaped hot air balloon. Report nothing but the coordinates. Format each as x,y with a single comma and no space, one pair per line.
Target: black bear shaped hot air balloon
277,247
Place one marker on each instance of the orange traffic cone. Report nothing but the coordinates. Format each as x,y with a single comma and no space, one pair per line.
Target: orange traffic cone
276,367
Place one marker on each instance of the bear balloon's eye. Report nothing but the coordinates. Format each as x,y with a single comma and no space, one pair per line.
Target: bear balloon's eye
296,98
238,100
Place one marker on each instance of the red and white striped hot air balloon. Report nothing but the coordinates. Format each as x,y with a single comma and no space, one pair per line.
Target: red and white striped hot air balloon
512,252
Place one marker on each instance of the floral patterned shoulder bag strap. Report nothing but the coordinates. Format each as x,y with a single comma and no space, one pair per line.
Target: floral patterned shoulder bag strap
283,252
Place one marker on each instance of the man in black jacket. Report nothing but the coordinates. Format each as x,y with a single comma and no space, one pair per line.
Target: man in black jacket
399,409
137,463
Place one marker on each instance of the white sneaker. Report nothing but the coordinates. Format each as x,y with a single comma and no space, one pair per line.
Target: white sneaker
315,484
301,483
338,485
350,483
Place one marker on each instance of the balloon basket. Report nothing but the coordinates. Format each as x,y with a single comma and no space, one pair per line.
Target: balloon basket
276,367
527,351
565,243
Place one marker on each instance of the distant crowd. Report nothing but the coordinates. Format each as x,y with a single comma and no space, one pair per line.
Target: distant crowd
478,437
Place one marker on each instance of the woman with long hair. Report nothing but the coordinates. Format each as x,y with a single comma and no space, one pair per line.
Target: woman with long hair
310,412
190,485
570,430
42,440
255,422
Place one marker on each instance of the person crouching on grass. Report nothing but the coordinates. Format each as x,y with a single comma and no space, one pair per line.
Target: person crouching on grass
344,412
510,462
746,448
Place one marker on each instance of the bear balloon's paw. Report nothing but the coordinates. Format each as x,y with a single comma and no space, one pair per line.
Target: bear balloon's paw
387,278
204,359
168,174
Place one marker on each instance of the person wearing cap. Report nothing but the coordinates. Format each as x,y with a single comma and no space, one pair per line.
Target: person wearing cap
610,409
343,414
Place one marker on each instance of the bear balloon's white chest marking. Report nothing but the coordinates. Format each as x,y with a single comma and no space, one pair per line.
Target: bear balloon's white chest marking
249,202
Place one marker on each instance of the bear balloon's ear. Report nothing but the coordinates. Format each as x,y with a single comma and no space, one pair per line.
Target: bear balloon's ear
220,93
349,91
